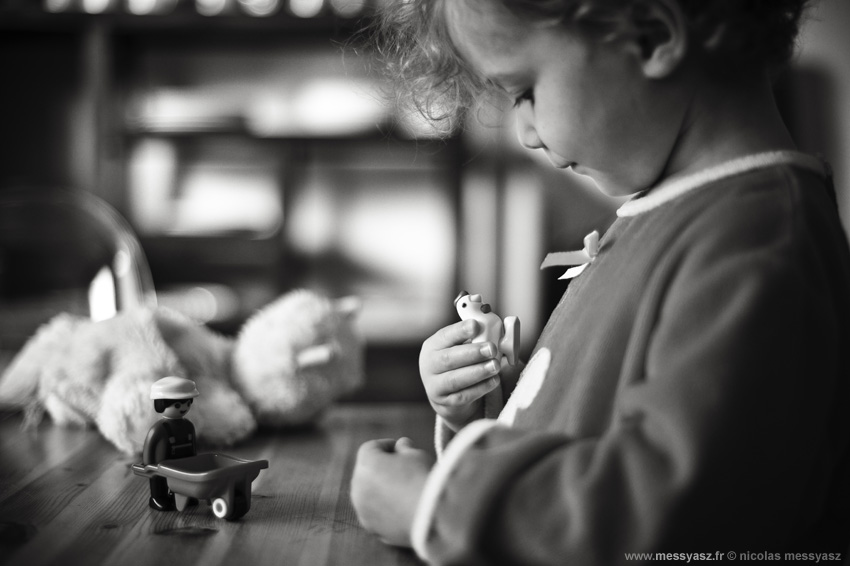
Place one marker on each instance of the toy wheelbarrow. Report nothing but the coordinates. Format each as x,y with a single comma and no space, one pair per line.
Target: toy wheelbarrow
223,481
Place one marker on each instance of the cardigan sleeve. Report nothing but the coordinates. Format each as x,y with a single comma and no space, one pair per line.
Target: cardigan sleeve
726,443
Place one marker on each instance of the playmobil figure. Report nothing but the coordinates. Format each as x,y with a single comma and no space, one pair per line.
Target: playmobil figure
504,335
172,436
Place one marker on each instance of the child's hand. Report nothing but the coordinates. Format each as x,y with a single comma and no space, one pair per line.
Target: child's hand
457,375
386,485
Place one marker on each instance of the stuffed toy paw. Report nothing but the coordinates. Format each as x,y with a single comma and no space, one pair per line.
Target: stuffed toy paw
289,362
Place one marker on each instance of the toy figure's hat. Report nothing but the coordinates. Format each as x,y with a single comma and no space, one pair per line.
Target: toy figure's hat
174,388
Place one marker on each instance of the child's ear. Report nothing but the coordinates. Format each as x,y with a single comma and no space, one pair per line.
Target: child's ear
659,36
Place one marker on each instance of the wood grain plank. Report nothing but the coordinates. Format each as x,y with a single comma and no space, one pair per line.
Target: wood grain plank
193,536
28,454
91,524
296,527
415,421
79,502
63,463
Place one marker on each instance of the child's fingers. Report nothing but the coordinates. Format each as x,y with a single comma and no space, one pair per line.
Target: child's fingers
462,378
378,445
453,334
455,357
387,445
470,394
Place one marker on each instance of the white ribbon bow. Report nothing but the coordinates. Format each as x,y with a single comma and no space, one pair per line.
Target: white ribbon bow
580,259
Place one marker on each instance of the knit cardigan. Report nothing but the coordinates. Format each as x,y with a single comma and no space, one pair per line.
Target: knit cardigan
690,392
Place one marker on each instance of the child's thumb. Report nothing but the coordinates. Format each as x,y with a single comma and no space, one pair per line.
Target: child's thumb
403,444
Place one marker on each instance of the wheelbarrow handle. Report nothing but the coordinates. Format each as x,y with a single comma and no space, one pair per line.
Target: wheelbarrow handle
146,471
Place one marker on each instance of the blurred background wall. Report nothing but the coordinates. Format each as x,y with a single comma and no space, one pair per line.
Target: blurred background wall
247,146
821,93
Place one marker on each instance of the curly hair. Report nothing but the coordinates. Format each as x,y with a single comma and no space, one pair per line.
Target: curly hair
428,74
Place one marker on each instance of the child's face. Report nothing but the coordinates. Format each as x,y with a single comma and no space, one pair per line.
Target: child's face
585,103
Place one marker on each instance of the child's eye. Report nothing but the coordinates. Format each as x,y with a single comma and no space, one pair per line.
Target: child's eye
527,95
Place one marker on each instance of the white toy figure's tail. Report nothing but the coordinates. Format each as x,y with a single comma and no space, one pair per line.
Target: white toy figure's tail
509,345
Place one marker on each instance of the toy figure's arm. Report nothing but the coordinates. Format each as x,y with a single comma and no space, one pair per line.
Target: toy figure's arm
153,451
191,427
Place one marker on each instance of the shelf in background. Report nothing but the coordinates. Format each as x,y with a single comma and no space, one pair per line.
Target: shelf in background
184,15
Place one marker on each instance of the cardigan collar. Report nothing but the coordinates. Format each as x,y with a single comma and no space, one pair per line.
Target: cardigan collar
669,190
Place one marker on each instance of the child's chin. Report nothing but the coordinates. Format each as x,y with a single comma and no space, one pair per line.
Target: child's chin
611,187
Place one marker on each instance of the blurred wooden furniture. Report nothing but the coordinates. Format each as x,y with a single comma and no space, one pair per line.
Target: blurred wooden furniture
68,497
244,151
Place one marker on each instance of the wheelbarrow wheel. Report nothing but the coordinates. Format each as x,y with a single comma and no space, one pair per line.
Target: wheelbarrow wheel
220,508
230,512
240,507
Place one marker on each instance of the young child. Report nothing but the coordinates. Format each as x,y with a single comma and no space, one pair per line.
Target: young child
691,391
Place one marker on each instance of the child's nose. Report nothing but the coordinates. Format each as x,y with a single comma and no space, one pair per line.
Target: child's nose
526,131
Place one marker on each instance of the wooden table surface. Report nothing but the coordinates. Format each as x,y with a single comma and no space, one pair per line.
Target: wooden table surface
68,497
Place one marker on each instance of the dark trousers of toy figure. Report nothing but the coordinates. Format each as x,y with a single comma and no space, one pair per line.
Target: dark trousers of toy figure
180,445
159,492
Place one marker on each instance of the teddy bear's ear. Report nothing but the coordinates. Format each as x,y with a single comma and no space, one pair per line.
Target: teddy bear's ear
348,306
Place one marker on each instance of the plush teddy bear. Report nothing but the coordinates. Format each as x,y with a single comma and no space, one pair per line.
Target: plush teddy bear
288,363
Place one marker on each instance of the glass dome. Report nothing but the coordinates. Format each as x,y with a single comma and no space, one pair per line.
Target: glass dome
64,251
